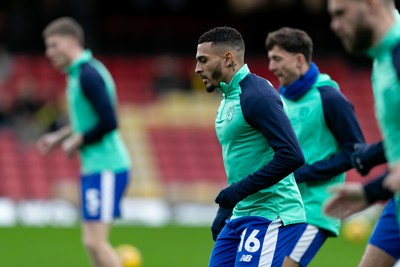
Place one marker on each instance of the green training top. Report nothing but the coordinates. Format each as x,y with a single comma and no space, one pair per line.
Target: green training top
327,129
257,139
109,152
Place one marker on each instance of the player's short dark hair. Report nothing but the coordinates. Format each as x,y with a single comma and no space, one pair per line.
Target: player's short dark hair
225,36
65,26
291,40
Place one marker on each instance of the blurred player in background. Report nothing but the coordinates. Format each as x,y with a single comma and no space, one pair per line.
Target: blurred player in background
260,152
327,130
373,27
93,132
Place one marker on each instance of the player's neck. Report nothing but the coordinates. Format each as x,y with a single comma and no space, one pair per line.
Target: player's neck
76,53
385,23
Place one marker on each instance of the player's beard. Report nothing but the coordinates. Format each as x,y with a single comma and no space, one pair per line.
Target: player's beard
216,75
362,39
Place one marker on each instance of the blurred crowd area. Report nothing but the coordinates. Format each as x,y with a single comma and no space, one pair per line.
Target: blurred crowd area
165,115
152,26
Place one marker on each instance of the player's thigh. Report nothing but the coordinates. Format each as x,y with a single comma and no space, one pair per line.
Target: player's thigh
101,194
288,262
266,243
306,246
376,257
386,234
225,248
274,255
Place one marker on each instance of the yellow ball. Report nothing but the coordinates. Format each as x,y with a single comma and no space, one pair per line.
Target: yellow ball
357,230
130,256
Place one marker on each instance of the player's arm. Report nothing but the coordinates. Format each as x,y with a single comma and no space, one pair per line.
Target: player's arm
62,133
342,122
94,89
376,191
367,156
267,115
355,197
46,143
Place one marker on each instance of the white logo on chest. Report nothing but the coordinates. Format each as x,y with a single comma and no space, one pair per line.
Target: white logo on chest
229,114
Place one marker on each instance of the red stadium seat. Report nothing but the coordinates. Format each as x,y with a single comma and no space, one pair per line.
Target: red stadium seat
188,154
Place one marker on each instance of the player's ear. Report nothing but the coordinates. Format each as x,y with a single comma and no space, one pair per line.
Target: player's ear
299,59
229,59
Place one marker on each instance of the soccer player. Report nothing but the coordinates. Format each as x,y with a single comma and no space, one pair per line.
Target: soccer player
93,132
373,27
326,127
260,152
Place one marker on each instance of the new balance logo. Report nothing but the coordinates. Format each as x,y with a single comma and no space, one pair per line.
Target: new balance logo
246,258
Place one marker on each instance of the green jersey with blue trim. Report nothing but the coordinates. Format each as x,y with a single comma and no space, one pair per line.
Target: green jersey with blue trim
104,151
258,140
327,130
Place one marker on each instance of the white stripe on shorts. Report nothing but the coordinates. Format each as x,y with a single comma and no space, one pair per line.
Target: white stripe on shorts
269,244
107,196
304,242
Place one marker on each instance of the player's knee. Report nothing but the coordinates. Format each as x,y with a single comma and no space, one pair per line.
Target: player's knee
92,244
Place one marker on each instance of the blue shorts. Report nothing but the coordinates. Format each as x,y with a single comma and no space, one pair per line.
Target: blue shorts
253,241
307,245
386,234
101,195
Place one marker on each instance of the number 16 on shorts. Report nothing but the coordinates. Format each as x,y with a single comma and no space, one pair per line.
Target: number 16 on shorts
250,244
266,245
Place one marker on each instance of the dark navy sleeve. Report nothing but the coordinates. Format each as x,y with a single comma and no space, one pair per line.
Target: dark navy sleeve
375,191
263,110
396,59
342,122
365,157
93,87
376,152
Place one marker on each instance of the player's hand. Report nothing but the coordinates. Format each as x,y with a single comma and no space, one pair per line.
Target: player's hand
229,197
347,200
392,181
47,142
358,160
219,221
365,157
71,145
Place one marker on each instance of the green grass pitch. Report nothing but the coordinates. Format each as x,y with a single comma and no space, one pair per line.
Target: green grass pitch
171,246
